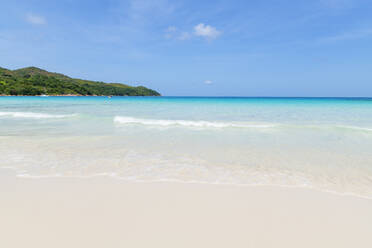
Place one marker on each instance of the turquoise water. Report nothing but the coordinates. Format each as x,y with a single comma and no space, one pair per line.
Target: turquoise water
322,143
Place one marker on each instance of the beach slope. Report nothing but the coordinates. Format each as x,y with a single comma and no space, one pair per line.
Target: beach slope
103,212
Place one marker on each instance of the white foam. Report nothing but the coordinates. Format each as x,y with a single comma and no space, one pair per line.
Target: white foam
186,123
32,115
335,127
127,120
356,128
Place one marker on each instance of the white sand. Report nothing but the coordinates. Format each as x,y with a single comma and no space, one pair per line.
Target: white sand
104,212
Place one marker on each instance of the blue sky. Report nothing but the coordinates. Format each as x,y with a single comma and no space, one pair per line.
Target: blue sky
210,48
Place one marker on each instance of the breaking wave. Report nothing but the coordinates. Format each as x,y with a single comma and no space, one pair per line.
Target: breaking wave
186,123
126,120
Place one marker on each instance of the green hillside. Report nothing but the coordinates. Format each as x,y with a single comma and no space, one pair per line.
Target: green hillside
32,81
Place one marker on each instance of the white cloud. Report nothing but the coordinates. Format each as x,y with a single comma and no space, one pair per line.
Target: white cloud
35,19
208,82
206,31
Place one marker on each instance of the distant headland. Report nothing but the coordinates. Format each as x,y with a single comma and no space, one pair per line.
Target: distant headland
33,81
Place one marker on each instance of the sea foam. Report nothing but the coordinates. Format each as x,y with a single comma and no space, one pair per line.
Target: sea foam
127,120
355,128
32,115
187,123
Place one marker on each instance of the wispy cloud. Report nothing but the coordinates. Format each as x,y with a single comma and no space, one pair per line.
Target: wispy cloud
171,29
201,30
35,19
206,31
339,4
173,33
352,35
208,82
184,36
145,10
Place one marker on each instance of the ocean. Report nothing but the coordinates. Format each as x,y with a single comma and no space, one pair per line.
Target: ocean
319,143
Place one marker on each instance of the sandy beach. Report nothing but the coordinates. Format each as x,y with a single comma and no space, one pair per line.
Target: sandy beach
185,124
104,212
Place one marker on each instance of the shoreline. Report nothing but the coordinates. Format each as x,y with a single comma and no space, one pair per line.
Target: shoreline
176,181
56,95
237,97
102,212
72,96
9,171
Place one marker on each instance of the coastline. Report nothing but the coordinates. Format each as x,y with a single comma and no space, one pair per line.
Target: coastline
104,212
72,95
56,95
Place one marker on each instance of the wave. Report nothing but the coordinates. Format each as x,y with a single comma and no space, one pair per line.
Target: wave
126,120
187,123
32,115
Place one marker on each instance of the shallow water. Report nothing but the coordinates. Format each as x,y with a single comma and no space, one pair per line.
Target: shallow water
323,143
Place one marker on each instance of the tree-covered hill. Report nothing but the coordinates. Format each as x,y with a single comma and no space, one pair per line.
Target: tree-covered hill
32,81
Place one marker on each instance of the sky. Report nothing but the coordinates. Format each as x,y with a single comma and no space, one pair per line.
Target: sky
197,48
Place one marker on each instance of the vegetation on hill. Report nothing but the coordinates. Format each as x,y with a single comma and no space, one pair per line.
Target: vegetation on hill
32,81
